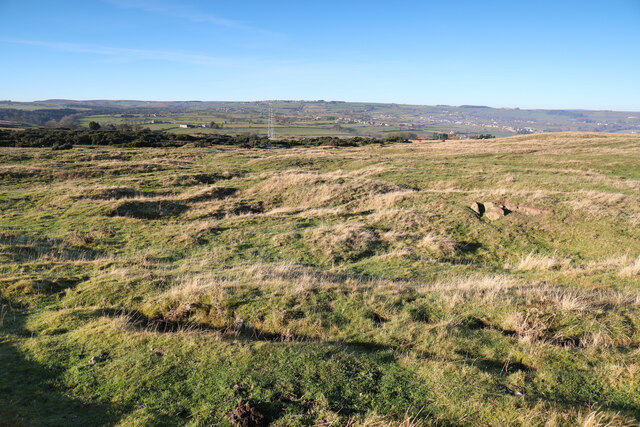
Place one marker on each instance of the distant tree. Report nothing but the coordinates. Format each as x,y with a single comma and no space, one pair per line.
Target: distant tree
94,125
68,122
483,136
402,136
51,124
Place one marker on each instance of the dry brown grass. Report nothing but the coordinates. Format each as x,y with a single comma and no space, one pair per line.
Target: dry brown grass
631,270
343,242
9,172
472,284
602,204
442,246
307,190
533,261
599,418
529,326
614,261
570,301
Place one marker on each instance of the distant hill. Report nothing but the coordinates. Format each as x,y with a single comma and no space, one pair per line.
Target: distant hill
364,117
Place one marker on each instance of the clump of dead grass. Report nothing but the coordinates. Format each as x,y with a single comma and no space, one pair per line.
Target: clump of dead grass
343,242
534,261
631,270
609,262
191,295
473,284
441,246
529,326
569,301
599,418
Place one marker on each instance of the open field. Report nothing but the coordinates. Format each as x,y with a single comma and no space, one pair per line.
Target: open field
323,286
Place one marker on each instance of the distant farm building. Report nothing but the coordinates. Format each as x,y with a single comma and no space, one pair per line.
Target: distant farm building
187,126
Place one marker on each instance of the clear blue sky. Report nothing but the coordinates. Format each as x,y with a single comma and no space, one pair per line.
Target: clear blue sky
529,54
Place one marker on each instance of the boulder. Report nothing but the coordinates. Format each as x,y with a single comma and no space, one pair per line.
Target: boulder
98,359
477,207
493,211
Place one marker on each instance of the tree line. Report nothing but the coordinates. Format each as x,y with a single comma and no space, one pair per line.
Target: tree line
39,117
67,138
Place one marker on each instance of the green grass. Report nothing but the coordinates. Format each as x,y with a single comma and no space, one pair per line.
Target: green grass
322,285
288,124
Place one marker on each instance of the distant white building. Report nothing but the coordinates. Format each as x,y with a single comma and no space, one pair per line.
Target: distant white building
187,126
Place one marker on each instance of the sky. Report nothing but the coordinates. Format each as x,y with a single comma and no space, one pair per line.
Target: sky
528,54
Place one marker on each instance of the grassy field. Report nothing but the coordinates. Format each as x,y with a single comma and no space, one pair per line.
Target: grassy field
322,286
249,123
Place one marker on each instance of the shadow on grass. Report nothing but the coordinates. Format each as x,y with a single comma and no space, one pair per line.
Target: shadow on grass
33,394
30,388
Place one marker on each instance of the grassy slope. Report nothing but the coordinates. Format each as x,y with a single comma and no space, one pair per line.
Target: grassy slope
324,285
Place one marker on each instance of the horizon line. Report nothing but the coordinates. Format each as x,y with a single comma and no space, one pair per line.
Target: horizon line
51,100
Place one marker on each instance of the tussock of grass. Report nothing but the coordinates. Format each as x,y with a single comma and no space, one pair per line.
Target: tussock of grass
631,270
533,261
599,418
442,246
343,242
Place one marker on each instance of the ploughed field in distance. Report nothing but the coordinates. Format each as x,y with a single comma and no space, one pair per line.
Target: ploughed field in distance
490,282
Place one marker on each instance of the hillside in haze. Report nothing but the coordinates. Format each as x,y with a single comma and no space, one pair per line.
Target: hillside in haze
320,118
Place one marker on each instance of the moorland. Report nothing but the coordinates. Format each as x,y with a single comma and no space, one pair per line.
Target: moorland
482,282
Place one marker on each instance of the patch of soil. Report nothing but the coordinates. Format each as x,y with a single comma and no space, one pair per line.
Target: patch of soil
247,415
